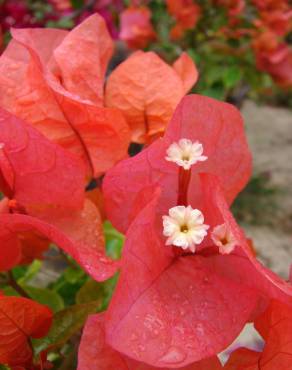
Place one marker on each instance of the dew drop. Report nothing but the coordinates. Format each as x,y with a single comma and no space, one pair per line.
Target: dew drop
174,356
200,330
191,288
141,348
133,336
182,311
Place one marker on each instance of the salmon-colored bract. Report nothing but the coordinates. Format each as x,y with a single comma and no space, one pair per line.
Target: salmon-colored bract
218,126
148,100
275,326
44,185
94,352
20,320
55,79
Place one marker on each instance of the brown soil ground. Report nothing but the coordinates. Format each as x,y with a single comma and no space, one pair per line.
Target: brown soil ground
269,132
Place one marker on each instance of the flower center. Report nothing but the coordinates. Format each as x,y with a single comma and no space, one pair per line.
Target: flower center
185,153
184,227
223,238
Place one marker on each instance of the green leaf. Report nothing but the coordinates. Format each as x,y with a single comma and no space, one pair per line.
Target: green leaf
77,4
67,323
231,76
99,292
45,296
216,92
114,241
31,272
90,291
64,22
69,283
73,275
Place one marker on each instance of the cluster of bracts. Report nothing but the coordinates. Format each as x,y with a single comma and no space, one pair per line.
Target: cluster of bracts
189,280
265,25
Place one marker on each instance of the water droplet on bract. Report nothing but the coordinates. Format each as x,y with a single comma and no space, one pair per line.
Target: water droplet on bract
180,329
133,336
200,330
141,348
175,355
182,311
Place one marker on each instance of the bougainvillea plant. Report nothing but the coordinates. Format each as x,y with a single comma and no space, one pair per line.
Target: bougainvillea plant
240,45
150,268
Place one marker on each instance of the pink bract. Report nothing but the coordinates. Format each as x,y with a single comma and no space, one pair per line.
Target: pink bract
218,126
94,352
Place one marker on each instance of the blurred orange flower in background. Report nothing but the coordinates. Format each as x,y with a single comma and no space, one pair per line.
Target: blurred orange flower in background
186,13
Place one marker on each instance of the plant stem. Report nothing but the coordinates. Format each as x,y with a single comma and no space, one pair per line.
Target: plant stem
14,284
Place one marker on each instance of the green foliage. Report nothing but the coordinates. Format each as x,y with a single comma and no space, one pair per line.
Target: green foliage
114,241
77,4
67,323
98,292
45,296
226,61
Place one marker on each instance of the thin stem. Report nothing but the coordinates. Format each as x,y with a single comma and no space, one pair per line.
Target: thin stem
14,284
184,178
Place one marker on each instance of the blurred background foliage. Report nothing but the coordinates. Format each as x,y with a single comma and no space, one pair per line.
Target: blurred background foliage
242,47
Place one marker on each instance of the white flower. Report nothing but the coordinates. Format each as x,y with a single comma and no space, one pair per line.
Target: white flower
223,238
185,153
184,227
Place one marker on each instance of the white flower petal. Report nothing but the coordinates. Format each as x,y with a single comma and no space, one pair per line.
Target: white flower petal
184,227
185,153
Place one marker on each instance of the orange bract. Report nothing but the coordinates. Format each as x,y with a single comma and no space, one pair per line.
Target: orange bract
186,14
147,91
54,80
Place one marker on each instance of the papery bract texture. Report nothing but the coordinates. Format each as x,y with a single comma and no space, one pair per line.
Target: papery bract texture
95,353
147,91
59,90
275,326
45,186
217,126
20,320
170,311
187,70
79,235
36,172
246,269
